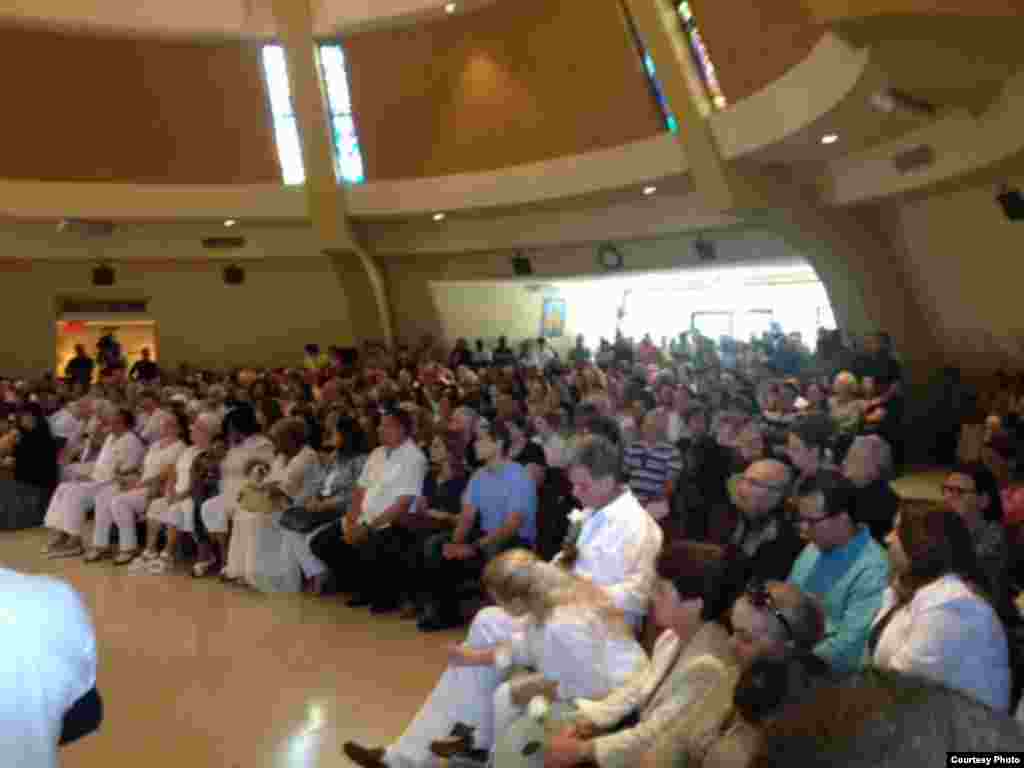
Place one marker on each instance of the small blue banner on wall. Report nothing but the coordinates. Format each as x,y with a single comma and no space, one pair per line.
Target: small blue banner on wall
552,318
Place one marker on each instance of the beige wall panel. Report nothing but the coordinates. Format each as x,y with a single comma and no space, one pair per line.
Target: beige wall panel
198,319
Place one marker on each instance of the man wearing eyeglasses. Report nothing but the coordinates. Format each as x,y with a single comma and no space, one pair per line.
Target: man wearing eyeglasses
841,564
763,536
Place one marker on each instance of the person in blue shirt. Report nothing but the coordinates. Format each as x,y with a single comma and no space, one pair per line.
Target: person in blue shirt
842,565
499,512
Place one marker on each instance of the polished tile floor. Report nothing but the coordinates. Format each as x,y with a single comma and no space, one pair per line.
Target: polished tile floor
195,674
201,675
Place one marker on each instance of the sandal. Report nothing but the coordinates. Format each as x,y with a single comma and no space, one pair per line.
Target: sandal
126,556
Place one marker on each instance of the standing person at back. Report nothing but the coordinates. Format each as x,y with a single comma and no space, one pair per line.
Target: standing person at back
79,369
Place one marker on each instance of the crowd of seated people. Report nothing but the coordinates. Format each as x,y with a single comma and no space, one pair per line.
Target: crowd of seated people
737,519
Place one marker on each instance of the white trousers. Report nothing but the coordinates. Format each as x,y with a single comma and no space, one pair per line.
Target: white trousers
70,503
124,509
297,550
463,694
180,514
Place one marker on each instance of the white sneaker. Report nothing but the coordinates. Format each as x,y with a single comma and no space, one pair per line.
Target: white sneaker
138,565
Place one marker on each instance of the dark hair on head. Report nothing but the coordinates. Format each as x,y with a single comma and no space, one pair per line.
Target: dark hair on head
354,441
883,719
312,348
519,422
985,484
815,431
697,410
181,417
242,419
606,427
584,413
769,685
42,423
936,542
838,493
699,570
404,419
498,430
127,416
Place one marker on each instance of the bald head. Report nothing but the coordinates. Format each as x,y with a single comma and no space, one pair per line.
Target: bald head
762,487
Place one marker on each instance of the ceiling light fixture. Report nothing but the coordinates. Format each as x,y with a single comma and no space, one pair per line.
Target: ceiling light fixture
650,190
229,222
829,138
438,217
450,8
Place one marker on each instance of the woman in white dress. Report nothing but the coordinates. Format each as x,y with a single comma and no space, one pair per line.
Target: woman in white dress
246,445
936,619
127,506
574,637
258,538
175,510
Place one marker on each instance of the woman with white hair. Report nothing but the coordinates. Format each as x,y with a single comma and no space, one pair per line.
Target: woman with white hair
845,407
175,511
573,635
134,493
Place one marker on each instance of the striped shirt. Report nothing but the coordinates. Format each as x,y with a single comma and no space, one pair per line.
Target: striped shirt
649,467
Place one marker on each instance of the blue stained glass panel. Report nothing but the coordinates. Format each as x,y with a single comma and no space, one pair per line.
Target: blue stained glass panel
348,157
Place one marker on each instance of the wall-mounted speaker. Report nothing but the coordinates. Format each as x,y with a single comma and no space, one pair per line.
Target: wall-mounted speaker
1012,202
223,243
234,275
521,266
103,276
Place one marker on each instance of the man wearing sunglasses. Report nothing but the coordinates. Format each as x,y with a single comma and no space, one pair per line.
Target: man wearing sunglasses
841,564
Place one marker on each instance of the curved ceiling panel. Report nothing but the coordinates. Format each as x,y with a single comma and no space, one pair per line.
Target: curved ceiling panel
230,19
87,109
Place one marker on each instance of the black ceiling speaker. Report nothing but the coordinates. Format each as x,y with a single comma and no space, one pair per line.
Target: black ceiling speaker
223,243
1012,201
103,275
234,275
705,249
521,265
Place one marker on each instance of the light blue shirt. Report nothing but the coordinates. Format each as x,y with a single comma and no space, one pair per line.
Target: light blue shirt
497,494
850,582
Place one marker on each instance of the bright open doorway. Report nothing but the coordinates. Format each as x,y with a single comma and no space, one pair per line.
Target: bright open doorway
133,332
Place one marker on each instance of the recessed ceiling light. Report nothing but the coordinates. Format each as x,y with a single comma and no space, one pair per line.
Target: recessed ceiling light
229,222
438,217
650,190
829,138
450,8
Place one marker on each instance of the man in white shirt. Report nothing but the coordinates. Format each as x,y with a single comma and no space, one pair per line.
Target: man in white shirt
47,669
122,452
616,547
391,480
65,425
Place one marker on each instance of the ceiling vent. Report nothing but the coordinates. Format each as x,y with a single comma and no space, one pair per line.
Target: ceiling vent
86,228
223,243
914,159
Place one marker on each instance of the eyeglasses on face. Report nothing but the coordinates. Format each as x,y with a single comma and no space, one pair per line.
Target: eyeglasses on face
759,596
810,522
761,484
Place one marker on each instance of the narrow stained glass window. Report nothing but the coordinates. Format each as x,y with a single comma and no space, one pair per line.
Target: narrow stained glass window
286,129
652,76
701,56
348,157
